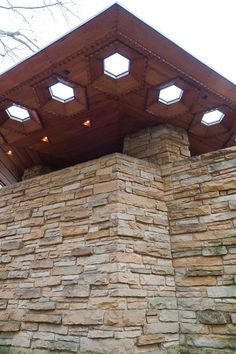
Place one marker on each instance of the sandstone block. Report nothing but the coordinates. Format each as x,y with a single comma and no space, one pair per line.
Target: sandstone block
83,317
42,318
3,304
233,318
222,291
28,293
150,339
9,326
76,291
151,250
42,264
5,259
82,251
124,318
62,346
3,275
168,315
18,274
42,306
214,251
8,246
161,327
162,303
211,317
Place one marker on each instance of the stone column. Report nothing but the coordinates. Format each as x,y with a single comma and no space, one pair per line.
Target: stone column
162,144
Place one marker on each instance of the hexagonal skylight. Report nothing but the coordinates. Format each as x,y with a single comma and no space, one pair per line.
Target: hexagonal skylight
62,92
170,94
18,113
116,66
212,117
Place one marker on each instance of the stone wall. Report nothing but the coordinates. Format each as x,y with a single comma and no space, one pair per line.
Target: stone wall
85,261
201,200
121,255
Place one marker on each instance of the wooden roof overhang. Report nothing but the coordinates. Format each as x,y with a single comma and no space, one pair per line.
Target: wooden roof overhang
114,107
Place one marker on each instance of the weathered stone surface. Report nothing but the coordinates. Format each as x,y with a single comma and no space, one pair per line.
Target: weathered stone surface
42,306
150,339
211,317
214,251
5,259
151,250
64,346
44,263
8,246
42,318
29,293
3,304
125,318
162,303
9,326
83,317
161,327
222,291
77,291
3,275
82,251
19,274
233,318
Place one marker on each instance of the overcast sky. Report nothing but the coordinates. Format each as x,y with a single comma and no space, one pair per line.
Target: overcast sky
205,28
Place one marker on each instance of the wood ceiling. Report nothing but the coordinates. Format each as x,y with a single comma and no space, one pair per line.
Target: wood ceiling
114,107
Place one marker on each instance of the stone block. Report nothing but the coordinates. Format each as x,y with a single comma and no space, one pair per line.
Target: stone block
233,318
82,251
76,291
83,317
29,293
161,327
9,246
3,275
5,259
222,291
149,339
214,251
125,318
9,326
164,302
42,264
64,346
18,274
42,318
211,317
42,306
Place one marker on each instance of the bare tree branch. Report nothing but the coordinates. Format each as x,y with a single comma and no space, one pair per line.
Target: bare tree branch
20,38
14,7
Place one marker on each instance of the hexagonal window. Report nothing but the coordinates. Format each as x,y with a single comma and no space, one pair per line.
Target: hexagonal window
170,94
116,66
212,117
18,113
62,92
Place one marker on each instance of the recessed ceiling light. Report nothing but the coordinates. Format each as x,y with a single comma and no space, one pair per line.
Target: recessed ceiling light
87,123
18,113
116,66
62,92
212,117
170,94
45,139
9,153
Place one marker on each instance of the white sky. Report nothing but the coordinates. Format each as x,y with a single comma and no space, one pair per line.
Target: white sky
204,28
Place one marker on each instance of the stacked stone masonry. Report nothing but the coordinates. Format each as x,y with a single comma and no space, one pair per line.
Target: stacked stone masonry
122,255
